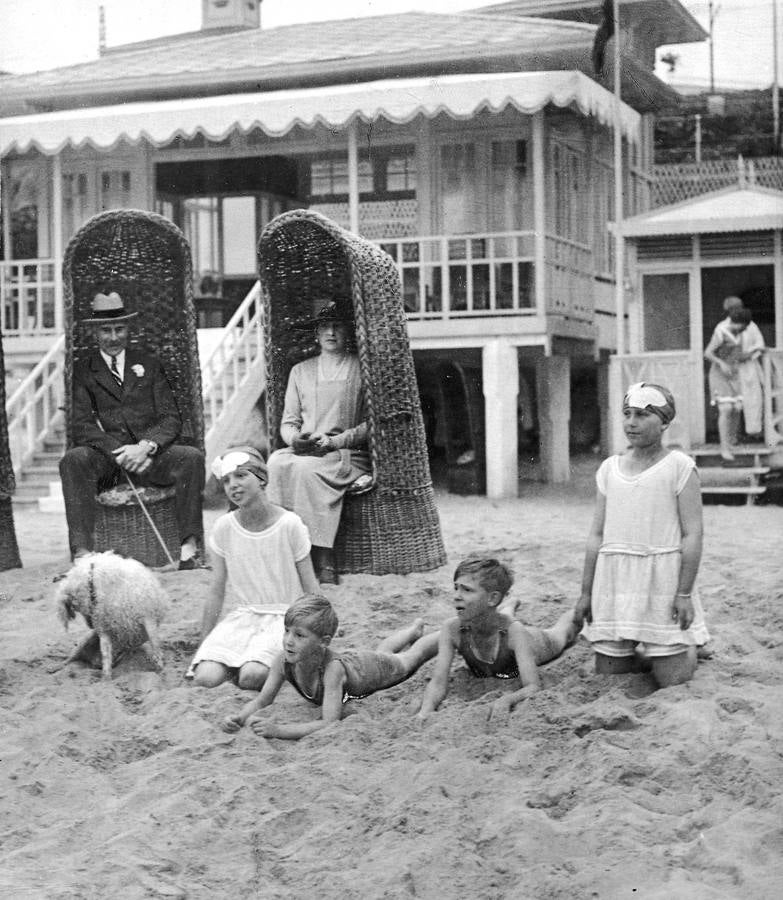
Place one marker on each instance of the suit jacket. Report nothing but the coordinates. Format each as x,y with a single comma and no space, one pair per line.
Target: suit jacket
106,416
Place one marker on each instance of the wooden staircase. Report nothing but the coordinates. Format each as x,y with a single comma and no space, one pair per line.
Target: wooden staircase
720,480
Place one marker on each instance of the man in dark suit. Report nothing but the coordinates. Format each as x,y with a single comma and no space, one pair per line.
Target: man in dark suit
125,418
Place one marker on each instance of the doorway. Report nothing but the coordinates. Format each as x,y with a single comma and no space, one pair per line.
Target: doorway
755,286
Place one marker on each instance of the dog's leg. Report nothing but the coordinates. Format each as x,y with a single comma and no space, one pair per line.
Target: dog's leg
155,653
106,653
84,651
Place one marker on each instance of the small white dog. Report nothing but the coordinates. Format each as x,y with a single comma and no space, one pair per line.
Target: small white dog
121,601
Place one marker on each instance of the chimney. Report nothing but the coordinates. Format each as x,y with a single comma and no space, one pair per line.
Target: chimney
230,14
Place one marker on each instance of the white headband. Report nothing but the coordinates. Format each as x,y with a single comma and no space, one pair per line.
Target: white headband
236,459
642,395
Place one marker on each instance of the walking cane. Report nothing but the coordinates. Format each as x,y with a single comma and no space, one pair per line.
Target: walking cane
149,519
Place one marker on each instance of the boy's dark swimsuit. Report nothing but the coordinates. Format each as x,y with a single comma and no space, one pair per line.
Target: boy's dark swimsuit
504,664
367,671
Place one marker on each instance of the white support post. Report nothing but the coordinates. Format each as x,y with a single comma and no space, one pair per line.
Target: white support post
553,391
500,372
57,239
619,276
353,178
5,210
539,211
778,238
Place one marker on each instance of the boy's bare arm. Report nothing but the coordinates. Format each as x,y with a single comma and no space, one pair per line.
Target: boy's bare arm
436,691
275,680
519,642
331,710
214,602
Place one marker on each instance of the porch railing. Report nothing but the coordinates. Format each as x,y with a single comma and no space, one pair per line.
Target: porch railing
460,276
773,397
29,301
569,279
34,408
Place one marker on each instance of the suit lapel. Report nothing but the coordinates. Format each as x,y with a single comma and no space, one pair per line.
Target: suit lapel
129,377
104,377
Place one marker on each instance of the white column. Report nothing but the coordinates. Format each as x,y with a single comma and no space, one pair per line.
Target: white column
539,211
778,287
553,391
57,238
500,372
5,211
353,178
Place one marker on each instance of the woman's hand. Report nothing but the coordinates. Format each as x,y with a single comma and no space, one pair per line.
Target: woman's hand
323,442
303,444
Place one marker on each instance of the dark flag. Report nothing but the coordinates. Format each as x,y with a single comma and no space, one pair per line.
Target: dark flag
605,31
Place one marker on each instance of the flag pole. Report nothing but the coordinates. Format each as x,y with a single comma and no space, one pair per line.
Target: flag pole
619,276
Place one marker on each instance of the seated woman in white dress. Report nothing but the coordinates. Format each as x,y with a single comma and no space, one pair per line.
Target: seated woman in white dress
324,425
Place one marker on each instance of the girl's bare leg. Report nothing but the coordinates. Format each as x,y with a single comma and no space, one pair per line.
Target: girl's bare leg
615,665
210,674
252,676
670,670
725,415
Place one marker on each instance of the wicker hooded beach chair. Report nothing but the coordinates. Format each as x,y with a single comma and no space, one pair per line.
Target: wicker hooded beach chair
146,259
9,550
303,256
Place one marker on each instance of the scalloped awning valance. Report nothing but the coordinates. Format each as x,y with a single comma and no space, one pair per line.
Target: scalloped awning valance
277,112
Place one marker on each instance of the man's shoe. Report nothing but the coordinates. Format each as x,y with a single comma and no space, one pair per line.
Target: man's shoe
186,565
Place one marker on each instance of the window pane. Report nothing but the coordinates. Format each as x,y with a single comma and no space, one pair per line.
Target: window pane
666,312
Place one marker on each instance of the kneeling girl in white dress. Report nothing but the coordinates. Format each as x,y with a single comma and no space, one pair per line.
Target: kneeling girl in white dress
639,596
261,563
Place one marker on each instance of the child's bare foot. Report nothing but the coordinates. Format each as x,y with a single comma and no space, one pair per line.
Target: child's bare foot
510,607
417,629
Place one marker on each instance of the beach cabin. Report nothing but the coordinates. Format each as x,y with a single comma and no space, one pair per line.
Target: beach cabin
684,260
475,148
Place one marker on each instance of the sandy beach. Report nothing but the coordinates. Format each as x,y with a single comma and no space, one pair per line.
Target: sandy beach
596,788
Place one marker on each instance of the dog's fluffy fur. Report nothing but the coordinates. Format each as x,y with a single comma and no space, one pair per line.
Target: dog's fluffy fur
121,601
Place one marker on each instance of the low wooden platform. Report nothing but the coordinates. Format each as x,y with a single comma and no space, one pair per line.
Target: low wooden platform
745,480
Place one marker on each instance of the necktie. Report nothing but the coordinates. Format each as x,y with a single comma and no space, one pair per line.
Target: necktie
115,371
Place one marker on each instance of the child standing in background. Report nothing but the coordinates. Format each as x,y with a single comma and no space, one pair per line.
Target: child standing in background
644,550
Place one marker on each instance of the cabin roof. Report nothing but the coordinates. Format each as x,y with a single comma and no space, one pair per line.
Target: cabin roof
320,53
742,208
672,22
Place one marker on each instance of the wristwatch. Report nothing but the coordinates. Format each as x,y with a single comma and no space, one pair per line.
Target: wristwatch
152,447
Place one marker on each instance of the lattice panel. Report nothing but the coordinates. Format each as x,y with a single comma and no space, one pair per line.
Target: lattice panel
378,219
676,182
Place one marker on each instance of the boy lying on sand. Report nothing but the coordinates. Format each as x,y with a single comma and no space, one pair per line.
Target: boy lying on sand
492,643
327,678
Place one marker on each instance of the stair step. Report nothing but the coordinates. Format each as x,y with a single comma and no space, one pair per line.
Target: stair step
35,473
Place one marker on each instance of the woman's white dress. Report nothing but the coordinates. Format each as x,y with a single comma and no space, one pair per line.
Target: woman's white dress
262,581
638,566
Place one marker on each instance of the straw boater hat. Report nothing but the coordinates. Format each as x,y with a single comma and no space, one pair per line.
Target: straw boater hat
108,308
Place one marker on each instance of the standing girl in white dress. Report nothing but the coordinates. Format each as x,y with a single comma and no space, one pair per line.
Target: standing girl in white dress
643,551
261,563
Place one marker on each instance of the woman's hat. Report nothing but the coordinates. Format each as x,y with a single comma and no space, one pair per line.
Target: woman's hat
108,308
333,311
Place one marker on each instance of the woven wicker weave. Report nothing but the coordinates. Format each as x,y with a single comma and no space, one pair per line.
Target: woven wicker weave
9,550
123,527
304,257
146,259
